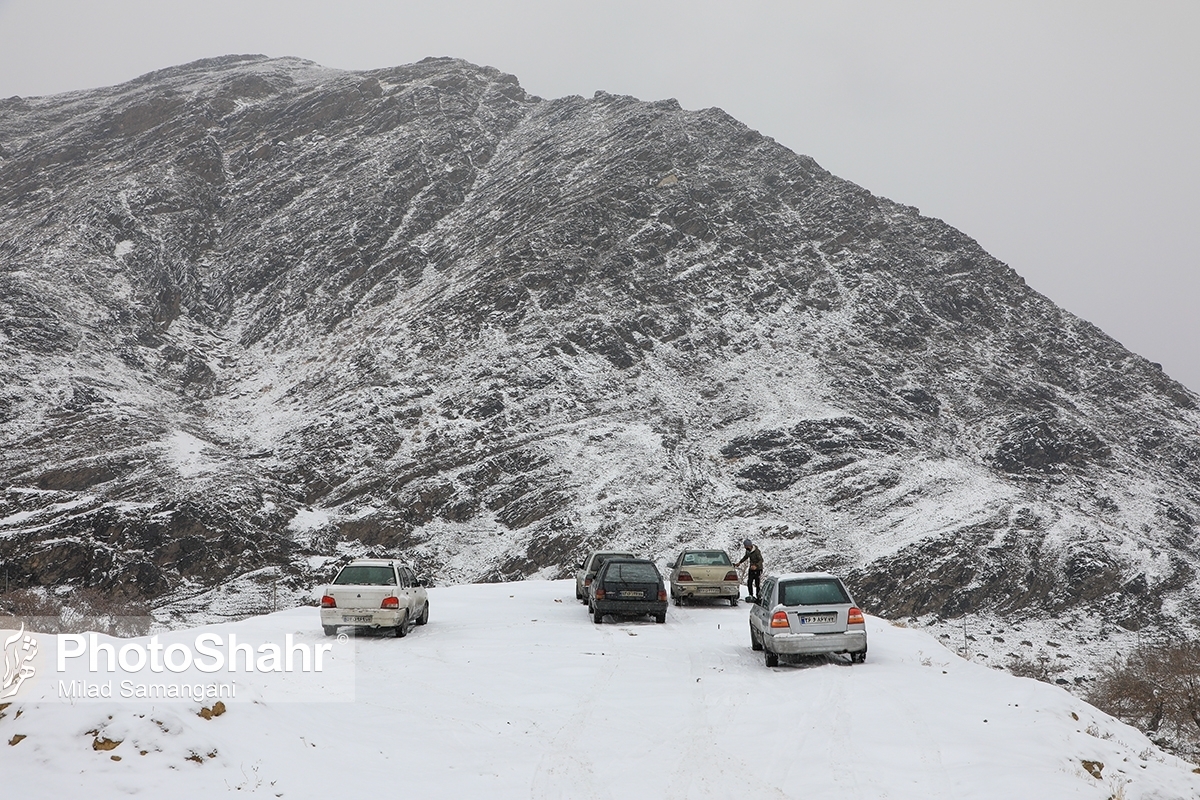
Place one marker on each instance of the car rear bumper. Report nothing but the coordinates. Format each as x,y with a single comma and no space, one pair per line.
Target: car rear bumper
630,607
362,617
695,589
815,643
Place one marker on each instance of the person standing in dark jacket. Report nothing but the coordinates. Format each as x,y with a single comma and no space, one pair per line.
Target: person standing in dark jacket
755,571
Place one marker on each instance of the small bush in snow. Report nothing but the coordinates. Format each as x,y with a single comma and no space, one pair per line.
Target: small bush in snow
1156,689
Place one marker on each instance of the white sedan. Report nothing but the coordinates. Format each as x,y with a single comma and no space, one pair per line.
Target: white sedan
375,593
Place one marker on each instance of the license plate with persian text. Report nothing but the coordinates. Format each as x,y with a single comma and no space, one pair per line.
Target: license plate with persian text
817,619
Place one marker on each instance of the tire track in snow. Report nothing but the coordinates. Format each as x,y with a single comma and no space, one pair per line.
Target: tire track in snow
565,769
700,752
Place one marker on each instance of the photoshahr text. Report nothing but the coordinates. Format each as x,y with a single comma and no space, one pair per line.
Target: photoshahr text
209,653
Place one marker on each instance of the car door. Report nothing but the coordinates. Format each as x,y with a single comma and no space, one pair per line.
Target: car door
417,593
582,575
760,610
673,571
404,589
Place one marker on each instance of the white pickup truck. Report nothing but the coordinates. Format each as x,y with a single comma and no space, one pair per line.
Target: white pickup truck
374,593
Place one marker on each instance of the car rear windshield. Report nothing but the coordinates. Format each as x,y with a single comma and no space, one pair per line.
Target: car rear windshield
821,591
631,573
707,558
366,576
599,559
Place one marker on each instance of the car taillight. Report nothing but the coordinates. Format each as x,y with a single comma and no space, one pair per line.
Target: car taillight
731,576
328,602
390,602
684,576
600,593
662,595
779,620
854,617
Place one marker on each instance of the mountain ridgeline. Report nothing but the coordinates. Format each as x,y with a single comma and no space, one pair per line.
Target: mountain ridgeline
256,313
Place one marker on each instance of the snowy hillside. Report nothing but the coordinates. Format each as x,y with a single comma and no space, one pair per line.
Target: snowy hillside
257,315
511,691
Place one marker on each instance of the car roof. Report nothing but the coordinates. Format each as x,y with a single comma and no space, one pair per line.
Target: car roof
705,550
630,560
791,576
375,562
612,553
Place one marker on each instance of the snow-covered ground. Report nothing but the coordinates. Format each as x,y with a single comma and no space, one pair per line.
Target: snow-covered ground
511,691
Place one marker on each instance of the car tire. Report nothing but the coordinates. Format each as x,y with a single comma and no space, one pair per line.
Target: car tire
660,618
330,630
402,628
597,617
755,644
858,658
424,618
733,601
771,659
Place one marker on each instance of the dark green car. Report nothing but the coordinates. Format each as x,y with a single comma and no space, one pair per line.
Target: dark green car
628,587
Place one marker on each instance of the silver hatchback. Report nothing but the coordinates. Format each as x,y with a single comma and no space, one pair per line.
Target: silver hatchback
806,613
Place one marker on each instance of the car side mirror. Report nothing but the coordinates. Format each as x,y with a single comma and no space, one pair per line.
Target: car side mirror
579,566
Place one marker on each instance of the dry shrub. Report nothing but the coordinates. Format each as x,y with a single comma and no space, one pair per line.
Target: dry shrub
1156,689
81,610
1043,668
29,603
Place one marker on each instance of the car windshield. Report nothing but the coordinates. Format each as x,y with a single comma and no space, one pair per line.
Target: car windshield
707,558
821,591
366,576
631,573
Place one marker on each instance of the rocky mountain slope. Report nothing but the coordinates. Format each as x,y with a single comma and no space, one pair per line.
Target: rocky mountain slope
256,313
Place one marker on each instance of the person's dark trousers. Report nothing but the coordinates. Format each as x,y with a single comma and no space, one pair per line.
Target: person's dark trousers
752,584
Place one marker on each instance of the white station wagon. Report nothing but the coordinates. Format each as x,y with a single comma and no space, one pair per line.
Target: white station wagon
375,593
806,613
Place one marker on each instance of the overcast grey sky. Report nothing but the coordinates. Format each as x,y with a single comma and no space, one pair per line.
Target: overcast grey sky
1061,134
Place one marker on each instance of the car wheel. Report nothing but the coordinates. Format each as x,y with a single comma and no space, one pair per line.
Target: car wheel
733,601
424,618
402,628
330,630
858,658
771,659
660,618
755,644
597,617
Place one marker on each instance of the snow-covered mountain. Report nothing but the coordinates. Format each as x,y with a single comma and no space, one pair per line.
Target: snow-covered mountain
256,313
530,699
